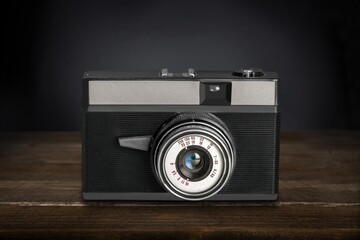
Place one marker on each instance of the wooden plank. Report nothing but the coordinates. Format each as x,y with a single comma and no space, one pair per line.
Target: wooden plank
40,167
320,166
181,222
40,196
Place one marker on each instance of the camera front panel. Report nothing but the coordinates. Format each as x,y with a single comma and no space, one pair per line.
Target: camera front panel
111,172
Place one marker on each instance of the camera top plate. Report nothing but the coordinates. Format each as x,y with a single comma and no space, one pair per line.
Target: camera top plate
240,74
252,87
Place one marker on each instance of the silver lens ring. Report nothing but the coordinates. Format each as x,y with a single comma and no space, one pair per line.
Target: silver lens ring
168,148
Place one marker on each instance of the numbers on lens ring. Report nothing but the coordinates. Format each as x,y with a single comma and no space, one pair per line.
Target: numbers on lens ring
213,173
181,143
192,140
180,179
183,181
201,140
209,146
186,141
215,160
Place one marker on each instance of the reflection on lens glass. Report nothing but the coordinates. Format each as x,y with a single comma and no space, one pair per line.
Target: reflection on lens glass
192,160
194,163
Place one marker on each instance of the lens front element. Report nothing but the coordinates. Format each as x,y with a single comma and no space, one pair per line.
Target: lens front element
193,160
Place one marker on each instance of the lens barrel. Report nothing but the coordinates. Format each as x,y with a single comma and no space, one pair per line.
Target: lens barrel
193,155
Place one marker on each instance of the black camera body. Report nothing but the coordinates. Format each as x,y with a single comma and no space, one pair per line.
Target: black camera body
180,136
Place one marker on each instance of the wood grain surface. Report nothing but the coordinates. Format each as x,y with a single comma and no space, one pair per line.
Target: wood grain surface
40,196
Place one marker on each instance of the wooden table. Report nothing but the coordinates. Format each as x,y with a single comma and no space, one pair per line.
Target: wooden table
40,196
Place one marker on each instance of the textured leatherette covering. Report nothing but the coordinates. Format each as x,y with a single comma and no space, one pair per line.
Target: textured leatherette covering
110,168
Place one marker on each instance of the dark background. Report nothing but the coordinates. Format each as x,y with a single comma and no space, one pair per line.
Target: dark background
314,46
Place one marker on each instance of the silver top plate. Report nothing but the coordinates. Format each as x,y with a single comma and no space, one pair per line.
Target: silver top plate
176,92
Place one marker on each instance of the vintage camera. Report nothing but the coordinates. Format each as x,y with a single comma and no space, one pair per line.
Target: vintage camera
210,135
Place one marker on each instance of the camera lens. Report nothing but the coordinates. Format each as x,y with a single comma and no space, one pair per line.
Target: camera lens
194,163
193,160
193,155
